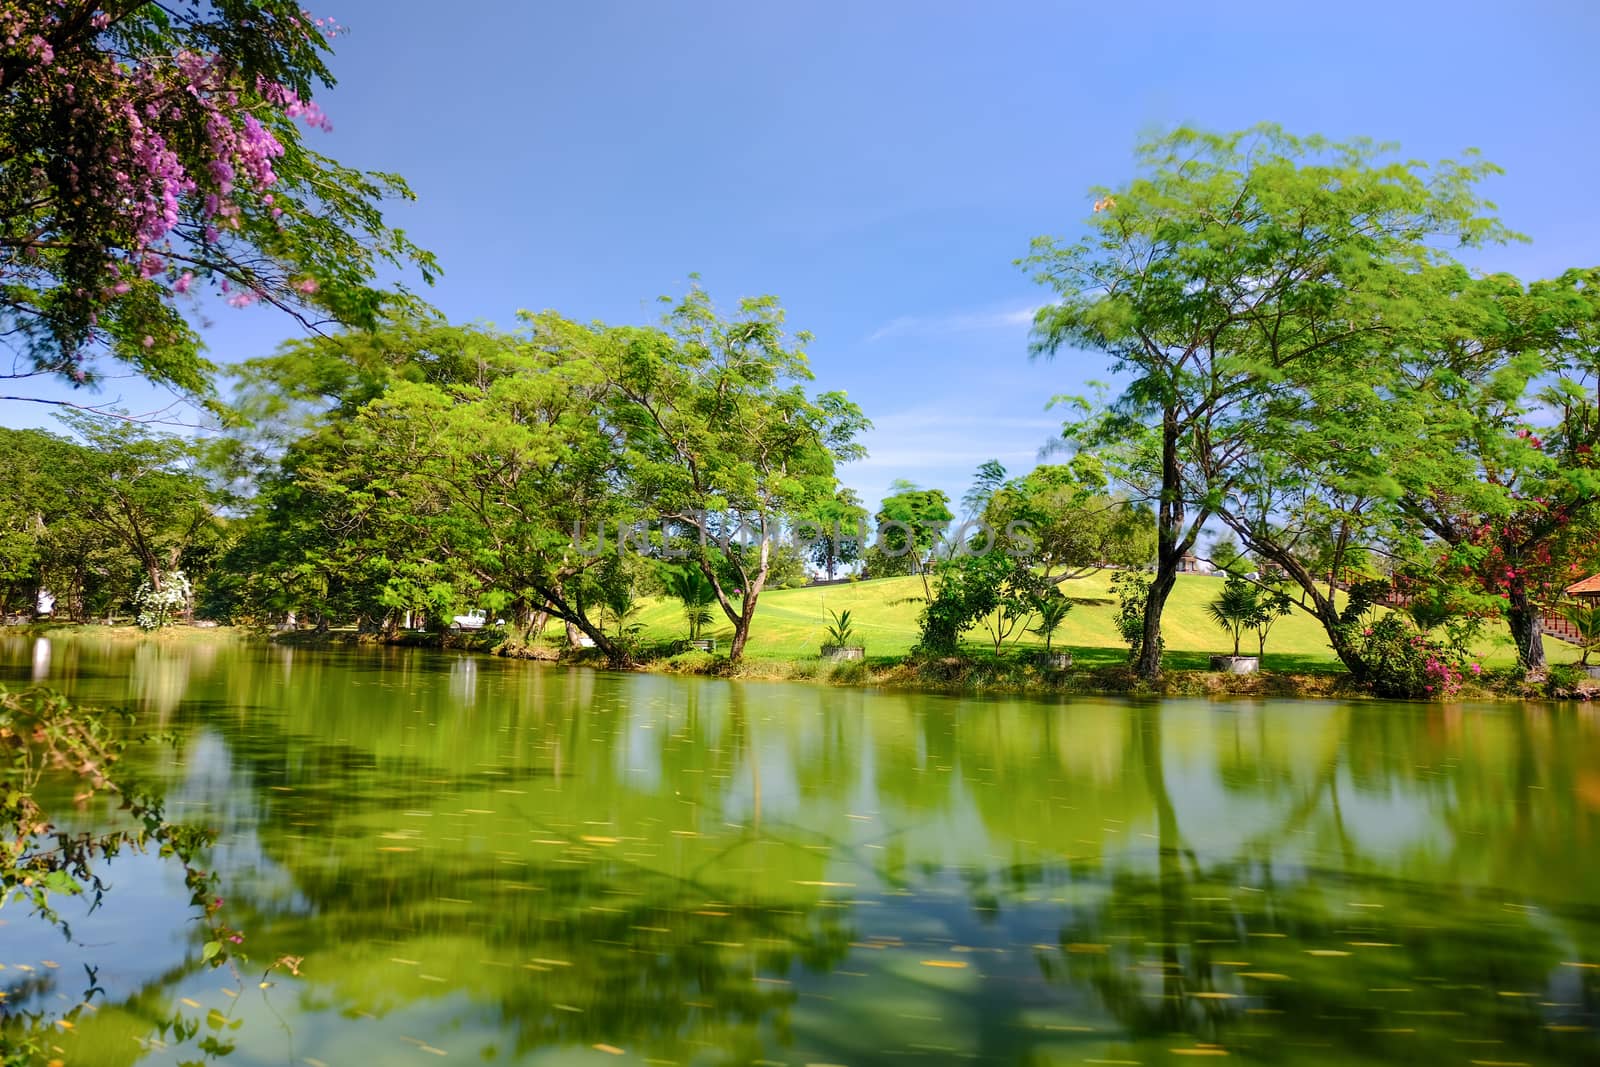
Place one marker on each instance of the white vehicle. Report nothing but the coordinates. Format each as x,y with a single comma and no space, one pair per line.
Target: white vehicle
472,620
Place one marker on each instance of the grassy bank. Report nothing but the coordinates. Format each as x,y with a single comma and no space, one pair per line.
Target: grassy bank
129,632
790,624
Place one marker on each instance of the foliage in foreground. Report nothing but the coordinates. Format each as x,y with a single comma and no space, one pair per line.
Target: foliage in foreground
51,750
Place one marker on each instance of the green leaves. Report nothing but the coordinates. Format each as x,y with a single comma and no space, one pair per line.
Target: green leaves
427,463
841,630
111,226
1254,289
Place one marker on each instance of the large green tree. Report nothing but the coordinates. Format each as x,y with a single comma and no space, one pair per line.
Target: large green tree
1065,520
911,523
144,490
724,443
435,466
86,518
838,531
1232,265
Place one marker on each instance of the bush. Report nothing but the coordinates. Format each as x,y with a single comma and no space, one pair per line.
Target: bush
1405,663
1564,678
158,607
849,672
1132,588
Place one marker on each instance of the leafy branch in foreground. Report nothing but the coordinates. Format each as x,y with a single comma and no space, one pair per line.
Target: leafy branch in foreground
51,748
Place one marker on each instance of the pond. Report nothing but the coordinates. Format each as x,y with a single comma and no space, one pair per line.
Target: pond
510,862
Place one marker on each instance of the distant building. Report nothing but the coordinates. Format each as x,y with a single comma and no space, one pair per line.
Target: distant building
1192,564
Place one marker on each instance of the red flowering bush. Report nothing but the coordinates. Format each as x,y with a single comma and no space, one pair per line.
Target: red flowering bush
1408,664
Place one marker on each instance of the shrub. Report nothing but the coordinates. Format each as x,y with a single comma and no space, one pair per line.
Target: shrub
1407,664
1235,609
158,607
1564,678
849,672
1052,609
841,630
1131,589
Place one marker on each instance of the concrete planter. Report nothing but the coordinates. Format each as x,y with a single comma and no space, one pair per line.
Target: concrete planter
1236,664
1594,672
1054,661
840,653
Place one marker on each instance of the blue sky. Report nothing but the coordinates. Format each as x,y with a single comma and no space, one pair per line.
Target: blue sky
880,165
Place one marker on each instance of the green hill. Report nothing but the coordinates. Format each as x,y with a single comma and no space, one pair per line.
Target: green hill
790,624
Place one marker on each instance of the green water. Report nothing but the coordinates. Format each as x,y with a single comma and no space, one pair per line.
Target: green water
512,863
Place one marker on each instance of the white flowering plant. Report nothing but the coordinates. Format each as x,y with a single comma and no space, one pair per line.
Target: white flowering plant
158,606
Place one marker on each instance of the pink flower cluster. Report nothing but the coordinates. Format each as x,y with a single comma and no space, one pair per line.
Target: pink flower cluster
294,107
129,119
1445,678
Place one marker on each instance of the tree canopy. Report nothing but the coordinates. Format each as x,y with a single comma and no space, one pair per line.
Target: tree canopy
150,153
1234,273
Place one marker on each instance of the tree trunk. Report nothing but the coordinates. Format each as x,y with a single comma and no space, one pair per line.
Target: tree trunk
751,592
747,612
1527,628
1149,663
1323,605
572,634
1169,552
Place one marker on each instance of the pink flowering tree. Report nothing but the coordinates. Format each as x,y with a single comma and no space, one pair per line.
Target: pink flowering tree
153,153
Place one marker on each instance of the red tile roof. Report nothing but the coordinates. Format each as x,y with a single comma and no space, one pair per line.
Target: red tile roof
1587,587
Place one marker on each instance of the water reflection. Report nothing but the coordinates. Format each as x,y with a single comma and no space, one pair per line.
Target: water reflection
513,861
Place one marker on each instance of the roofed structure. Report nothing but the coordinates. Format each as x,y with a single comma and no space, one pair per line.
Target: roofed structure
1589,587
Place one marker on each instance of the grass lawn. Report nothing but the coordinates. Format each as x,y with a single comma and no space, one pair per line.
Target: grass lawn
790,624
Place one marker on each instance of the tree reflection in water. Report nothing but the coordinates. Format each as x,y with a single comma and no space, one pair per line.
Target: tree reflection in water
548,860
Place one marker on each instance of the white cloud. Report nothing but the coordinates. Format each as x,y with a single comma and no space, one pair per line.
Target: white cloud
1009,318
909,459
940,449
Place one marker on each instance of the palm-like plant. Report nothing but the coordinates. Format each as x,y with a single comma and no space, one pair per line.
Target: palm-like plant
1585,618
1271,605
690,588
1052,610
1235,609
841,630
621,604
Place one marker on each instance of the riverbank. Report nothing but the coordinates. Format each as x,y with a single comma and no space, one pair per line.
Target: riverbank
1096,671
127,632
981,674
